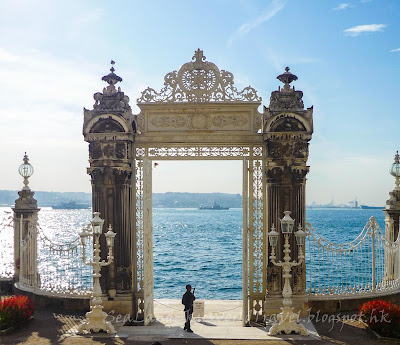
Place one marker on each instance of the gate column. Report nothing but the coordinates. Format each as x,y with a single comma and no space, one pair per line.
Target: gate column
109,129
287,129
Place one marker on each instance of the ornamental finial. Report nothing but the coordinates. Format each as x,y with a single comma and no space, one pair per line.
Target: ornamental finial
198,56
397,157
26,159
112,78
287,77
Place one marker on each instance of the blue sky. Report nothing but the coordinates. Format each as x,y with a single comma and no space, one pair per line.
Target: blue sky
345,53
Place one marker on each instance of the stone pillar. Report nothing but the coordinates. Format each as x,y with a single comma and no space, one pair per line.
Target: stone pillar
109,128
392,224
287,130
25,220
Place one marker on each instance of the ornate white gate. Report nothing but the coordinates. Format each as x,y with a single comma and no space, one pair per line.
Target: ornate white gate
200,115
253,226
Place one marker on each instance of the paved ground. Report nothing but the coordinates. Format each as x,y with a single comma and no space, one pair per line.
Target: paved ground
48,327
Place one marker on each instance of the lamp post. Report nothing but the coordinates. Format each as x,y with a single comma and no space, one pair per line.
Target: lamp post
395,170
287,319
96,317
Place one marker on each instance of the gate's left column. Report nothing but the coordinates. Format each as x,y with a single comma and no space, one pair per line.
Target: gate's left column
110,130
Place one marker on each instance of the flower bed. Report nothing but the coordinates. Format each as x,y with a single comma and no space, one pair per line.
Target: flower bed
15,310
381,317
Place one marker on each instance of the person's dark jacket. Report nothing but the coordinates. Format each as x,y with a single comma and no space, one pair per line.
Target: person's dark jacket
187,300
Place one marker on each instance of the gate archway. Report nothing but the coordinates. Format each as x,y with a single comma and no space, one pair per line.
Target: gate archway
199,114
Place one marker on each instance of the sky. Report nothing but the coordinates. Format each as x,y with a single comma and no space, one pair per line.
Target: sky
346,55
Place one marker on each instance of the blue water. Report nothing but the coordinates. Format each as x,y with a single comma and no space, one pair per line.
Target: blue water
200,247
204,247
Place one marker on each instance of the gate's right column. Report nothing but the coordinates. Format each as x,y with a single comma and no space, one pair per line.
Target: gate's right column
287,129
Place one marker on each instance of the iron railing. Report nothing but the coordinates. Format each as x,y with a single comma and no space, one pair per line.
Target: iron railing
367,264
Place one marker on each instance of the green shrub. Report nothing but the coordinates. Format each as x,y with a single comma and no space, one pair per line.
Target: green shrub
14,310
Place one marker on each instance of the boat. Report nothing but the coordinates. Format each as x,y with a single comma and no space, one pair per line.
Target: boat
72,205
213,207
365,207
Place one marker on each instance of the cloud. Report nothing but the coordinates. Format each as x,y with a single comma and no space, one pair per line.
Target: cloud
395,50
342,6
274,7
363,29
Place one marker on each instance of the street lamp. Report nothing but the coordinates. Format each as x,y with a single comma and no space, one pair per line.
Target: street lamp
395,170
287,319
26,171
96,317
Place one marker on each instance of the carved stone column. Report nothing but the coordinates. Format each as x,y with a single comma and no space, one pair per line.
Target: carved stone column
392,224
109,128
25,220
287,129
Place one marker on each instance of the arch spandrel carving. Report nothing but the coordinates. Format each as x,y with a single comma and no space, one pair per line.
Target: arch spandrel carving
287,122
107,125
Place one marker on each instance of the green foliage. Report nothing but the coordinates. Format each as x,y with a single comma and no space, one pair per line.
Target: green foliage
14,310
382,317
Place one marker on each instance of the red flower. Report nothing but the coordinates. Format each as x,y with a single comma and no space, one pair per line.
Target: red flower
382,317
14,310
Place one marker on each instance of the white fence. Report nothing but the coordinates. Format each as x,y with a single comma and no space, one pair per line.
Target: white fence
7,246
52,267
370,263
355,267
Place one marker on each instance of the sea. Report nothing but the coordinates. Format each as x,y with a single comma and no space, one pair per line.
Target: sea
198,247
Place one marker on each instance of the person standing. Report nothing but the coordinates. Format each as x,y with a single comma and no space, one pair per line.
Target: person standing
187,300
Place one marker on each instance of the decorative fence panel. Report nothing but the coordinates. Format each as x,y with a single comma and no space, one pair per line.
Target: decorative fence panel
61,268
354,267
52,267
7,246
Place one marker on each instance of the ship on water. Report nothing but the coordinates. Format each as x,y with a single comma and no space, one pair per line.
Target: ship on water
351,204
213,207
365,207
72,205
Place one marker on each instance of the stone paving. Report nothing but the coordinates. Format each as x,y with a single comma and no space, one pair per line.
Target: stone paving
54,327
222,320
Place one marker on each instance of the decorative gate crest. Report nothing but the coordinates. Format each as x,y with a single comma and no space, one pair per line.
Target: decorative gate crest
199,81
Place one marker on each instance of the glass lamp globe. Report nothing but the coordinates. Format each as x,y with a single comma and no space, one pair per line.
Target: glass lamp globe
300,236
97,223
273,236
287,223
110,235
84,236
26,170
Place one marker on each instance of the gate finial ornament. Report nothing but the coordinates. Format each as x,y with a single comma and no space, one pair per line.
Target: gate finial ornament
199,58
287,98
199,81
112,99
112,78
287,77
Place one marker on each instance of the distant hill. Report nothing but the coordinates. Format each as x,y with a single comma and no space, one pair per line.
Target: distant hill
195,200
46,199
169,200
